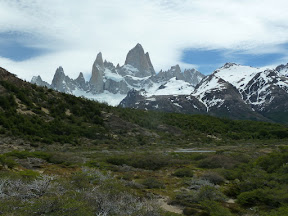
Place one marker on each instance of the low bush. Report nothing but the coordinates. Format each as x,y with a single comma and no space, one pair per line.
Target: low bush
63,205
213,177
151,183
218,161
205,193
146,161
4,161
215,209
279,212
184,172
28,174
272,198
190,211
210,193
197,183
25,154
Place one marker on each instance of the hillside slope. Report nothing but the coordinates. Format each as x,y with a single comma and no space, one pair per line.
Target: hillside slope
41,115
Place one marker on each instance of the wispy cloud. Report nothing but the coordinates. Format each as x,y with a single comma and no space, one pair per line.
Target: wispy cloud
73,32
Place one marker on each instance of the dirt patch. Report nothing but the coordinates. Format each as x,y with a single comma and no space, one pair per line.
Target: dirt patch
68,112
45,110
163,202
25,112
230,201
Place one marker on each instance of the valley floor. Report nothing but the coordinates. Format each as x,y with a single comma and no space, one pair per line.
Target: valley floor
243,179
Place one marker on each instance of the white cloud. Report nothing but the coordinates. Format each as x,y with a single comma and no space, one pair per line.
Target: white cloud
75,31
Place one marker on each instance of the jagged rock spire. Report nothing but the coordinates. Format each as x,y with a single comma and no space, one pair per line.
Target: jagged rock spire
38,81
80,81
99,60
58,78
138,59
97,74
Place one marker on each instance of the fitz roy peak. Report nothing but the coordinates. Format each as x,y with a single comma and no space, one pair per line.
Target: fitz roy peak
111,84
138,59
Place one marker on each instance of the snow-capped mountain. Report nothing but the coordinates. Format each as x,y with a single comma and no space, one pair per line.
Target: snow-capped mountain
38,80
111,84
235,91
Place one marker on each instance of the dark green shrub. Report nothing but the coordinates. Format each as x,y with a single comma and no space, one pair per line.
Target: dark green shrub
7,161
273,161
146,161
151,183
190,211
19,154
117,160
184,172
215,209
66,159
210,193
279,212
28,174
92,164
81,180
63,205
217,161
25,154
269,197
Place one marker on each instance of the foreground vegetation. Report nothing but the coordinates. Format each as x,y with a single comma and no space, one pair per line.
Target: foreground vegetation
80,182
63,155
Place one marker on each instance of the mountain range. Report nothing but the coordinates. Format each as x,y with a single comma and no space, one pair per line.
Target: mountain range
234,91
110,84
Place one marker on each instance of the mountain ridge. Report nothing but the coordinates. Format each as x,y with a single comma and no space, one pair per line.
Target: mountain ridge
111,84
234,91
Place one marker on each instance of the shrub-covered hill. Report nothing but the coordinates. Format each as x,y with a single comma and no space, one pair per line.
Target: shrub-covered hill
40,115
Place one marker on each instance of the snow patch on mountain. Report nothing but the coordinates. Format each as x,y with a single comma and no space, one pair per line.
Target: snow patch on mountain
173,86
108,74
105,97
236,74
207,86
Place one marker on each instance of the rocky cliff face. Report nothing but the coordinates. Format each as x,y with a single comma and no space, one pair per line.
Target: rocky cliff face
61,82
141,61
191,76
96,80
80,82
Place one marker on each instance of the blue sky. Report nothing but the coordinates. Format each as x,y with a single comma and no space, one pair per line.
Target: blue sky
37,36
209,60
14,46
